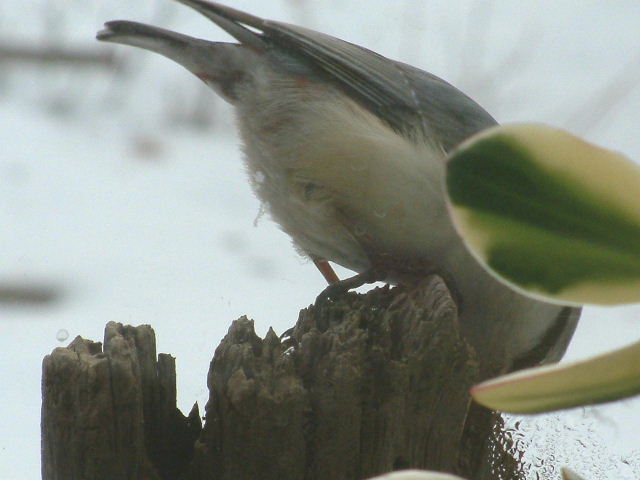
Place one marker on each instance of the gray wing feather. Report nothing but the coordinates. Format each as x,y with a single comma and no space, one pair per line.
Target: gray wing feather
413,102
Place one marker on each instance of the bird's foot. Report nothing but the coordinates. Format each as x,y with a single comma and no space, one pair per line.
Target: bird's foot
340,287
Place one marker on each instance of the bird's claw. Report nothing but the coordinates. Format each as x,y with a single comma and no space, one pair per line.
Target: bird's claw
342,286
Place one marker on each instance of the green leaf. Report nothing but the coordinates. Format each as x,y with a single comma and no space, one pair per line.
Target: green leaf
604,378
549,214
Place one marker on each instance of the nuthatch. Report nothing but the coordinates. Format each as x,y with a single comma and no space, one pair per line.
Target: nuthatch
347,150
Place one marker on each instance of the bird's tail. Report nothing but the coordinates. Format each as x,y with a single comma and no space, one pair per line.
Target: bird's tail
221,65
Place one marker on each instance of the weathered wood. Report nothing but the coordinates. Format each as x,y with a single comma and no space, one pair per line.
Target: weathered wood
381,385
112,414
363,385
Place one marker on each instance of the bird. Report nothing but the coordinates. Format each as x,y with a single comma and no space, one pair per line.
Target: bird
347,151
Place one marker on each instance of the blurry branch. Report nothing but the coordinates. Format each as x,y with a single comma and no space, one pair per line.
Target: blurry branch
28,294
605,100
478,78
476,42
507,69
80,57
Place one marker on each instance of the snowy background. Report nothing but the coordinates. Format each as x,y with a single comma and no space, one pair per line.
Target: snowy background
123,197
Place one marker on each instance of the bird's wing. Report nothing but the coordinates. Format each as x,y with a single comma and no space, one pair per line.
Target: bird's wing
414,103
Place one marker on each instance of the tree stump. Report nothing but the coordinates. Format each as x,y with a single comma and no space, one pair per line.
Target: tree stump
112,414
363,385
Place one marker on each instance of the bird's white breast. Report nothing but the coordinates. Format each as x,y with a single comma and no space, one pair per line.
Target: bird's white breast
339,181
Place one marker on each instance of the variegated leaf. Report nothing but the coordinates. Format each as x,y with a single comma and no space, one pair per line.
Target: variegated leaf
548,213
607,377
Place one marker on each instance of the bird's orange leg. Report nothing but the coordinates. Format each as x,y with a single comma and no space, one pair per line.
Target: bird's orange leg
327,271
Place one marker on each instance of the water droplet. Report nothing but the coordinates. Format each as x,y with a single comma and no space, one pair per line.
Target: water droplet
62,335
